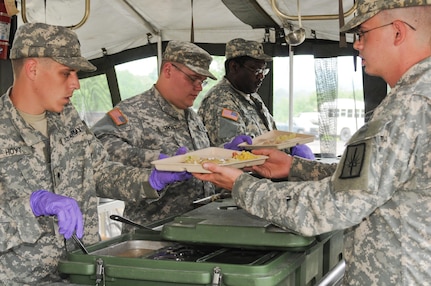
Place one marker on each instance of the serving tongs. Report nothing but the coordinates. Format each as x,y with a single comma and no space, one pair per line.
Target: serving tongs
80,244
129,222
222,195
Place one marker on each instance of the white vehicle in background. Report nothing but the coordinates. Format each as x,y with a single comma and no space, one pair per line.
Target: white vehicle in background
284,126
343,116
307,123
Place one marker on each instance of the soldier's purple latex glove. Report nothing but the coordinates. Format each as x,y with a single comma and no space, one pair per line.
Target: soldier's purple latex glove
66,209
233,145
302,151
160,179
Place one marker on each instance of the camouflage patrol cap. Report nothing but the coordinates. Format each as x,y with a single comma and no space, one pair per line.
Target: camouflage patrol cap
190,55
240,47
56,42
368,8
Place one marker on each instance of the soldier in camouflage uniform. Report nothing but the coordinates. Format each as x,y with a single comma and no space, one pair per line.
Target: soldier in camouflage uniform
233,105
381,189
159,121
46,149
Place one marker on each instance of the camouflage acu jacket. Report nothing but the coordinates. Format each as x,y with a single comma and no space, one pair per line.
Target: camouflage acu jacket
227,112
152,126
71,162
380,192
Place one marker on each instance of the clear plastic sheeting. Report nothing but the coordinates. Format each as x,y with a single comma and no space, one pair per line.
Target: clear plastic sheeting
326,72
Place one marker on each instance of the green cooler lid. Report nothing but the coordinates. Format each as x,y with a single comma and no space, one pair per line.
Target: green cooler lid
223,223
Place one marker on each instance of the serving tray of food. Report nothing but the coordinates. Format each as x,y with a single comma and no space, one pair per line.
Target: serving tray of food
192,161
278,139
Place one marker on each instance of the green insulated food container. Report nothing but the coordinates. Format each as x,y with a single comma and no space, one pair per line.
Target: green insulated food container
216,244
223,223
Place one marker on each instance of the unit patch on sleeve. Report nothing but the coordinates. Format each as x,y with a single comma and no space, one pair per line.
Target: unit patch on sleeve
353,161
117,116
229,114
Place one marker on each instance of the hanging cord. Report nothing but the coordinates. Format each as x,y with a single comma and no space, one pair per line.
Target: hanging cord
299,13
343,41
192,31
44,3
355,56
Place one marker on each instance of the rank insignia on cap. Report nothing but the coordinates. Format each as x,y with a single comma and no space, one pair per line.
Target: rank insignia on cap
117,116
353,161
229,114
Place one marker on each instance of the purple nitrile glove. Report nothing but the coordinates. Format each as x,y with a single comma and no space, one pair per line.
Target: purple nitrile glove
233,145
160,179
302,151
65,208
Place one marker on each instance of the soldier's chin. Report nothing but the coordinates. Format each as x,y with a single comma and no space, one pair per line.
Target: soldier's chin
257,88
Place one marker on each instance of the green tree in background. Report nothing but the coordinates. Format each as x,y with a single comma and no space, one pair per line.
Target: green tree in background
217,69
93,95
131,84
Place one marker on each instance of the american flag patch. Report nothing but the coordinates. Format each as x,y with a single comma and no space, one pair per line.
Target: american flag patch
229,114
117,116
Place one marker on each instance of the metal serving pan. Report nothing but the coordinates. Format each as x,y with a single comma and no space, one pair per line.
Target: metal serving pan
132,248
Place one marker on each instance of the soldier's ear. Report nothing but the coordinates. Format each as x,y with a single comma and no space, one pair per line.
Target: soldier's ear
166,69
234,66
30,68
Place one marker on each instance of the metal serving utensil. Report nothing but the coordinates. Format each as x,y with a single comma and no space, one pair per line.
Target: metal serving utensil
80,244
129,222
296,37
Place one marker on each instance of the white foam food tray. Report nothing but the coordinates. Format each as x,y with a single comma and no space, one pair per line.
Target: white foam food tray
278,139
222,157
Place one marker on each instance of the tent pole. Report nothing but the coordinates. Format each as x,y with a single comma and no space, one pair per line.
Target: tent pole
290,89
159,53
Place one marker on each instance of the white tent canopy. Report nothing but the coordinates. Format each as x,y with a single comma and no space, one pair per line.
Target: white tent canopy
118,25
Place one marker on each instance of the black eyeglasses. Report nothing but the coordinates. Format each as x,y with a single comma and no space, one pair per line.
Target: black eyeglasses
257,72
360,34
195,81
